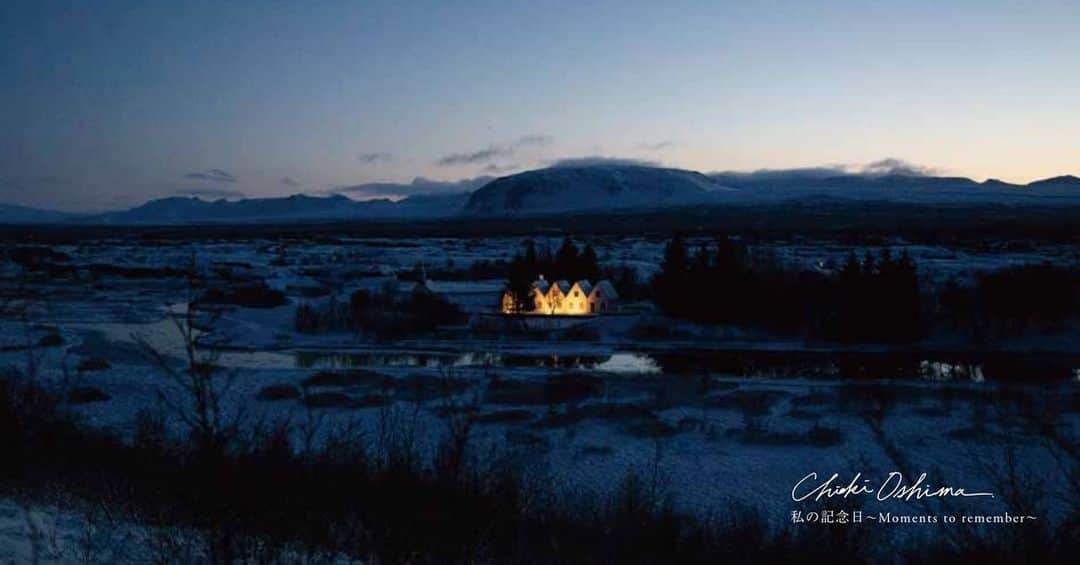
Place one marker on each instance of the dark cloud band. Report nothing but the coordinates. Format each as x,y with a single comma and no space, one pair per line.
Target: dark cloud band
213,175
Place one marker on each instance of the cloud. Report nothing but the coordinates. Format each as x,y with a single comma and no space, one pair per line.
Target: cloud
210,193
474,156
599,161
213,175
419,185
893,166
822,172
882,167
372,158
657,146
290,182
492,152
499,169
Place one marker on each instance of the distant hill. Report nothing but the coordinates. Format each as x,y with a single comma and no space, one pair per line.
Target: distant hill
188,210
182,210
12,214
1065,185
596,187
789,185
574,189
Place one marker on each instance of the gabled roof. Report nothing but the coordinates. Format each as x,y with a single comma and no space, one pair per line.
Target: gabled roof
563,286
585,286
541,285
606,289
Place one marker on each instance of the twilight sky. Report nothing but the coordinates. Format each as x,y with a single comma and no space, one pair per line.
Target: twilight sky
106,104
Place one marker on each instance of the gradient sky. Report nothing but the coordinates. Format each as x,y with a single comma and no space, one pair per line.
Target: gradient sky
106,104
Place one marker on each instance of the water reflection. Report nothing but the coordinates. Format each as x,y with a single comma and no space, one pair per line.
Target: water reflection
975,368
751,364
944,371
619,363
970,367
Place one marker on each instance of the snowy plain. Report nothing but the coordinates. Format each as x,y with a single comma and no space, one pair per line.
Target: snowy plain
714,437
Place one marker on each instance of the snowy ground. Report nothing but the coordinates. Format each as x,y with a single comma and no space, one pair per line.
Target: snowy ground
714,438
713,435
287,262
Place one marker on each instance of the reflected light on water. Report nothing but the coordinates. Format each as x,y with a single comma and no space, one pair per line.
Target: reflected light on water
629,363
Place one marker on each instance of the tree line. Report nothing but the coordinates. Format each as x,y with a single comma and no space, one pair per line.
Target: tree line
567,263
874,296
726,282
1011,301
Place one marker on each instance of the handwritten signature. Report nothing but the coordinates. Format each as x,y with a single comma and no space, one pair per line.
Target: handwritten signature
893,487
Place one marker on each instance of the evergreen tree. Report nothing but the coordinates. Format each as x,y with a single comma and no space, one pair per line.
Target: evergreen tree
566,261
908,298
626,283
675,257
729,285
546,263
885,296
869,268
728,260
519,283
697,287
906,265
670,283
851,272
531,262
848,299
590,264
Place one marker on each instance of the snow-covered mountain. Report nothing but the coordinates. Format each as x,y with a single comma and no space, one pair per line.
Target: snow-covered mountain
788,185
299,207
584,188
183,210
595,187
1065,185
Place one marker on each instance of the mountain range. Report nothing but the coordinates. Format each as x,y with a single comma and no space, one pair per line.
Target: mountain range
587,188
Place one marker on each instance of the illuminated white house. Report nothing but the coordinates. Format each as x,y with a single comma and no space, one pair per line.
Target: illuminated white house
581,298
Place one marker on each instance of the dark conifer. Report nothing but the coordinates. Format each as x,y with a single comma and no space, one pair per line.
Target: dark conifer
669,285
519,283
590,264
567,264
531,262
